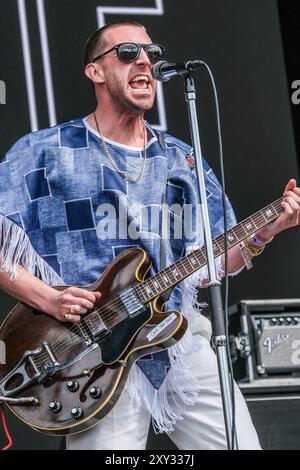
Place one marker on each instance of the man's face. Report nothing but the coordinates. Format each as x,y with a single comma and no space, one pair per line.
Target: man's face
130,86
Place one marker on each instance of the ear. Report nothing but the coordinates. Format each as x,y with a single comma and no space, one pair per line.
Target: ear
95,73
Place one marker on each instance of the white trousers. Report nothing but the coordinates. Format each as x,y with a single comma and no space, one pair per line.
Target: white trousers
126,426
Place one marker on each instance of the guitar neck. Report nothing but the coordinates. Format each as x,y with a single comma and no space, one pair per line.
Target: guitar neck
189,264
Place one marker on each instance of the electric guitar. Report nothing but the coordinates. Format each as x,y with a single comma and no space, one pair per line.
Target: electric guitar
62,378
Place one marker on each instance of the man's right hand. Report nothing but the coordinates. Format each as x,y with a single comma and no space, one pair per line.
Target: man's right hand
65,305
68,305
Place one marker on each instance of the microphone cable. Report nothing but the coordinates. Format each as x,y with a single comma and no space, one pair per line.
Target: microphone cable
222,172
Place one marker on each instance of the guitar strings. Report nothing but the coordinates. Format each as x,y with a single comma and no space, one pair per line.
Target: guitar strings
104,317
61,343
240,230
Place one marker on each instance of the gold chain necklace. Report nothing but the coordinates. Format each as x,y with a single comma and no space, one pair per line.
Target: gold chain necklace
114,164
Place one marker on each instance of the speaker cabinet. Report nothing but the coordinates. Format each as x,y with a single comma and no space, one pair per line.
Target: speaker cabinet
276,418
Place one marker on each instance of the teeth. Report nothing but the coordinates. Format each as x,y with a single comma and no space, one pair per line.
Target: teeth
140,77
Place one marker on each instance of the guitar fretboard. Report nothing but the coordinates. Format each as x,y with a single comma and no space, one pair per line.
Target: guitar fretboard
177,272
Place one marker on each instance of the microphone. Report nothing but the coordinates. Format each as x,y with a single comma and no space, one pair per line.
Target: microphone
164,70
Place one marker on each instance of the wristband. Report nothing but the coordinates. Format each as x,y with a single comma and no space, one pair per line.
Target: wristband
245,255
257,242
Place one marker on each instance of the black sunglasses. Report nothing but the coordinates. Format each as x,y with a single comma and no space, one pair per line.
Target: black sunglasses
129,51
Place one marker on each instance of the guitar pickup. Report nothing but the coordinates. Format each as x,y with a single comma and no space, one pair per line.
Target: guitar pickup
96,326
131,302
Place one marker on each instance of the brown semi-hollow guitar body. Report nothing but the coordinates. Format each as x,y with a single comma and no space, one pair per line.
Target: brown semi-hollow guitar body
26,329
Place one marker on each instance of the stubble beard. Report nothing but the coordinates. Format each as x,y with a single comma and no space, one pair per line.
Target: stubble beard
126,103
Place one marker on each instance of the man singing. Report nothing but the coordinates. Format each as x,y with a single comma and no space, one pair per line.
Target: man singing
76,195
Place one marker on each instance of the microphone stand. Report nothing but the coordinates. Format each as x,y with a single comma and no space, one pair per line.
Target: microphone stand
219,339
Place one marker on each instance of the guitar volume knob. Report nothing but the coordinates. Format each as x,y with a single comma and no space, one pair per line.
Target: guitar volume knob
95,392
77,412
55,406
73,386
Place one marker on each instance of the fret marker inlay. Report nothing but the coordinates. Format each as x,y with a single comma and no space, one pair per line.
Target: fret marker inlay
269,213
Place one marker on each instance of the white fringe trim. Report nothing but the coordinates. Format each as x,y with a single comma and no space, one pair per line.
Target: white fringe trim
17,250
190,286
179,388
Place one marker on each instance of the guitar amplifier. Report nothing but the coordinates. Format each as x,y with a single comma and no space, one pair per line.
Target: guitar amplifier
278,341
265,341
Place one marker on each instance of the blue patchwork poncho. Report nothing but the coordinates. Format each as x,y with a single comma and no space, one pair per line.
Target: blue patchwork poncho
65,213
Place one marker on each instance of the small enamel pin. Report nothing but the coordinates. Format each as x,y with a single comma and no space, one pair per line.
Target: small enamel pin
191,160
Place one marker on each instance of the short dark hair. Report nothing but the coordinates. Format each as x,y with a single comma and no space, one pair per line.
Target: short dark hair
95,41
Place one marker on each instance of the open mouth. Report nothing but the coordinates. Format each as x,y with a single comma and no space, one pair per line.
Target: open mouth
140,82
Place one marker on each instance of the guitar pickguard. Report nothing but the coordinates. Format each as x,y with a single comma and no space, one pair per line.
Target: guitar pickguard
114,344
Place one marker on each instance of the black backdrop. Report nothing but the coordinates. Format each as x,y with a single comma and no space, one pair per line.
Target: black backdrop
241,41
